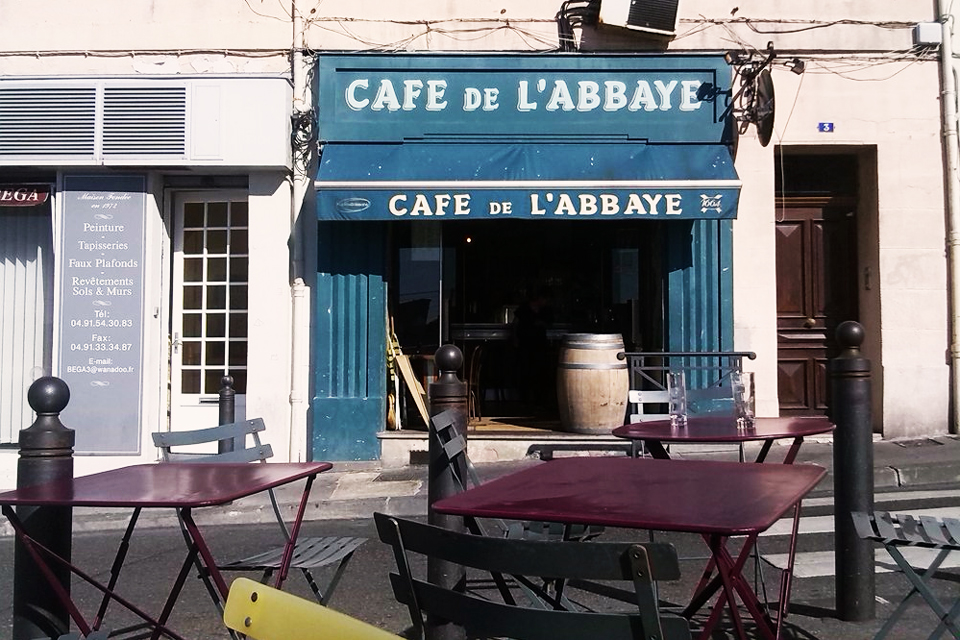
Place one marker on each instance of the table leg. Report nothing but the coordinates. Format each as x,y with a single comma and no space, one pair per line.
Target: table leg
794,450
117,565
726,572
38,552
294,532
730,582
764,450
196,538
34,550
656,449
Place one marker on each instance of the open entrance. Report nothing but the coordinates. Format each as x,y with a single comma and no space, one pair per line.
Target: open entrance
506,293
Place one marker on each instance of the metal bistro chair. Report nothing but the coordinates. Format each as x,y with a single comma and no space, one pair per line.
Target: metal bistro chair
264,613
309,555
637,565
896,531
454,449
709,390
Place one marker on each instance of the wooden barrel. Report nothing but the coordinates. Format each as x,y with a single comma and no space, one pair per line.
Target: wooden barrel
592,384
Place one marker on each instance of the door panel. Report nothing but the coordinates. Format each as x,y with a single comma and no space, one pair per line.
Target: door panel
816,291
208,333
350,342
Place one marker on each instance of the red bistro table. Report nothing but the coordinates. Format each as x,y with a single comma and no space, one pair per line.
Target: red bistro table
717,500
179,486
724,429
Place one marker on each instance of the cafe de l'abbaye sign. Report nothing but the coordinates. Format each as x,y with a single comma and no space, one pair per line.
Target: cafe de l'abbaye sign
425,136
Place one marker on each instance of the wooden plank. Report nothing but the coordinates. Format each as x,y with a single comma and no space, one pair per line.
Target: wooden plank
413,383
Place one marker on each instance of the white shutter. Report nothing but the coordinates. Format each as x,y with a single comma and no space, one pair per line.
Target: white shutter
26,259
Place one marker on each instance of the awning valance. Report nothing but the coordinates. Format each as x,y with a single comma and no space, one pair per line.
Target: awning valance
546,181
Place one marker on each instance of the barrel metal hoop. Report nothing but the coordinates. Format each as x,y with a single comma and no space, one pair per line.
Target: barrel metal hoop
591,365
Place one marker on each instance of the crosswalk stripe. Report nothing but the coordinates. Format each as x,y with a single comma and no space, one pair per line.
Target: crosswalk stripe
890,496
814,564
824,524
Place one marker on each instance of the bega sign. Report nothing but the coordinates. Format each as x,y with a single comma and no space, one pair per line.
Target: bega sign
23,196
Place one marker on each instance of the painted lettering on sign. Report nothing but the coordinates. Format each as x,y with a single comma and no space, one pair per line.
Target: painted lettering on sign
605,204
546,203
27,196
368,94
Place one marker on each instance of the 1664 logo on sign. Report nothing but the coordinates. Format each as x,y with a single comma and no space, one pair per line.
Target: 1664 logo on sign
711,203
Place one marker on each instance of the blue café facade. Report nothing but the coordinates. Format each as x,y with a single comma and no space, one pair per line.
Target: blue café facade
451,187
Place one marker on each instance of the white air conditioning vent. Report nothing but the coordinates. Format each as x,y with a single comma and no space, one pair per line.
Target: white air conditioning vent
59,121
144,120
161,121
652,16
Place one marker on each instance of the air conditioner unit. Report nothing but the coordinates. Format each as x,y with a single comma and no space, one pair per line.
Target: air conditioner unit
651,16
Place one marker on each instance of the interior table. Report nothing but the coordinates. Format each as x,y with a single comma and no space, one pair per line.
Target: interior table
718,500
724,429
178,486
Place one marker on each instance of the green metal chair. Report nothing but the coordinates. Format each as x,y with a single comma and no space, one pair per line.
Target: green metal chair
311,553
533,562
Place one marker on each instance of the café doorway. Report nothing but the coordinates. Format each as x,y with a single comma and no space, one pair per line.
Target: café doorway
506,292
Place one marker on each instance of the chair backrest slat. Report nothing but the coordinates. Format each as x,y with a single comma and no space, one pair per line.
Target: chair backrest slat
260,453
638,564
237,432
264,613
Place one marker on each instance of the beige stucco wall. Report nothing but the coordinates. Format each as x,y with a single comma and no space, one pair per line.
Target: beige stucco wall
860,75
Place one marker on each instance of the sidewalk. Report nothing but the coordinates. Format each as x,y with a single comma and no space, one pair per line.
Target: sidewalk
357,489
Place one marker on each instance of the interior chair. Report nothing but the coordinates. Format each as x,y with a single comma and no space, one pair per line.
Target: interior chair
453,448
636,566
240,442
260,612
474,390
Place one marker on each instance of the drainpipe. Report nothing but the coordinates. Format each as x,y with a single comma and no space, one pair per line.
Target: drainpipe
948,92
298,290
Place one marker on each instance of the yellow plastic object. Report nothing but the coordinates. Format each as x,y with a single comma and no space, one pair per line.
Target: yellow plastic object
264,613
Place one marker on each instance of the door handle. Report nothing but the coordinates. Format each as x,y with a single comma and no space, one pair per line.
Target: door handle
810,323
176,342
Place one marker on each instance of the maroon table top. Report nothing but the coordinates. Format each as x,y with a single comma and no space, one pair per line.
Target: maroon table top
708,497
168,484
724,429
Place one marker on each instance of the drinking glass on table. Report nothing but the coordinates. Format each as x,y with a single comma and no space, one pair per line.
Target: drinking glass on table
677,398
744,397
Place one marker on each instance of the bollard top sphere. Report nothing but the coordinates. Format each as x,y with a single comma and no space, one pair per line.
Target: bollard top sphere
448,358
850,334
48,395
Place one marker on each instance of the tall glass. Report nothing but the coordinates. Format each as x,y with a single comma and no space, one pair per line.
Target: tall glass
677,398
744,397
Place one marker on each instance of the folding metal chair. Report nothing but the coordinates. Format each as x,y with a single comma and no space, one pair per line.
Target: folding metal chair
310,554
636,566
264,613
454,448
904,530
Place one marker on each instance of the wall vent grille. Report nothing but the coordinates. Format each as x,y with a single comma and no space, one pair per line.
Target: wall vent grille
657,15
144,121
58,121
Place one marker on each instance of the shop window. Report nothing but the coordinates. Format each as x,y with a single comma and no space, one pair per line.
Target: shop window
26,323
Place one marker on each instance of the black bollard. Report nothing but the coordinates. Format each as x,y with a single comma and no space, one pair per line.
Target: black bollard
46,455
448,392
852,474
227,405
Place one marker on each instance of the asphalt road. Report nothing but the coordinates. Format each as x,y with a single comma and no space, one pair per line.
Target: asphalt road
364,592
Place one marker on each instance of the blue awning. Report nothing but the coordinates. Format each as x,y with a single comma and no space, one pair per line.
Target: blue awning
450,181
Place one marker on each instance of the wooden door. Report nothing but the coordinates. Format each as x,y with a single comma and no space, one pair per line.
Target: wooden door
816,291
